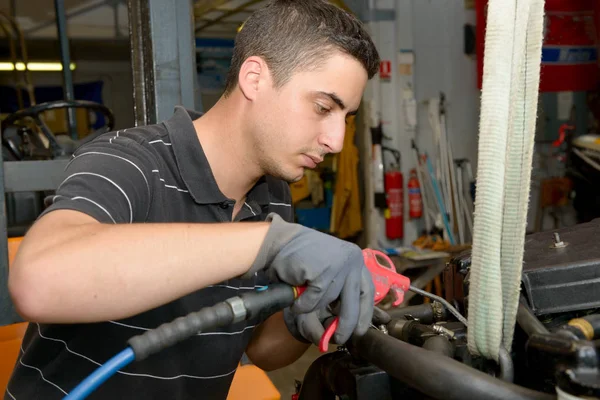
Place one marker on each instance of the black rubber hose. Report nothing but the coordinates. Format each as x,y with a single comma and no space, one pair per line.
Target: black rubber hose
180,329
315,385
435,375
257,304
262,304
422,312
439,344
528,321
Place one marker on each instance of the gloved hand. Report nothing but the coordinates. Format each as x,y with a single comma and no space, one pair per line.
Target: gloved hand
309,328
331,269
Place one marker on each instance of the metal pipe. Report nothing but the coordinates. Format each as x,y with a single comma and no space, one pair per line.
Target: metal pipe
507,368
528,321
81,11
142,65
435,375
65,57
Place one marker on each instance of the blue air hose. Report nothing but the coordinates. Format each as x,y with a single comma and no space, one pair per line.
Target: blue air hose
100,375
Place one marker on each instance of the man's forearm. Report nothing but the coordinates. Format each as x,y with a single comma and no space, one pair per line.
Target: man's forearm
272,346
91,272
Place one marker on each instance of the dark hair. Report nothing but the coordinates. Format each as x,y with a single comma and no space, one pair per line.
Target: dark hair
292,35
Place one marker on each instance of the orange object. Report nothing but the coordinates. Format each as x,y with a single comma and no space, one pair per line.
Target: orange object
13,246
10,335
252,383
555,192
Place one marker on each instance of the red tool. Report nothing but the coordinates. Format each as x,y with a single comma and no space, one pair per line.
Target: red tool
385,278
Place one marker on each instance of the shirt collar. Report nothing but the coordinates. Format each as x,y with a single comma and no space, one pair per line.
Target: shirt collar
193,164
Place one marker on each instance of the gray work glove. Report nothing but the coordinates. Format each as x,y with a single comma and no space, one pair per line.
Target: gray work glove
331,269
308,327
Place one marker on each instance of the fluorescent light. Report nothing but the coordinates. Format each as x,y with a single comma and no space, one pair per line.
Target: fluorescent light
34,66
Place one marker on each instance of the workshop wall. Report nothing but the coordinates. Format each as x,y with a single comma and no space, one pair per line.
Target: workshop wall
423,40
442,66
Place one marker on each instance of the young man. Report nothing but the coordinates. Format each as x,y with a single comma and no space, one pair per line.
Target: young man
140,232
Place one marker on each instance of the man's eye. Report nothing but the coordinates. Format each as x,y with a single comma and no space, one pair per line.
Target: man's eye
321,110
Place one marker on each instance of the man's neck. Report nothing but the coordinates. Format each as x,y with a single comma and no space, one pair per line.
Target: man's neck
227,151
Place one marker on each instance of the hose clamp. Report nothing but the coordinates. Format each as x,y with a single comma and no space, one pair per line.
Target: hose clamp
238,309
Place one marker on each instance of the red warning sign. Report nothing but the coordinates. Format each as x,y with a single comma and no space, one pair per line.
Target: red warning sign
385,69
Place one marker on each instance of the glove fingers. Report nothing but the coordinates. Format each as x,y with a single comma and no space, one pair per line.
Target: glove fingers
367,303
310,327
320,293
349,311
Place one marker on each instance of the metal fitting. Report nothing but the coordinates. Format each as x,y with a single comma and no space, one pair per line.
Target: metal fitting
383,329
440,330
558,243
238,308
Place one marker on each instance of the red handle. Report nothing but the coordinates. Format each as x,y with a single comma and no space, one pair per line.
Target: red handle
385,278
324,342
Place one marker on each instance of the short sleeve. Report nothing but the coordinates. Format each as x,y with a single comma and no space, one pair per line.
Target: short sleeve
107,179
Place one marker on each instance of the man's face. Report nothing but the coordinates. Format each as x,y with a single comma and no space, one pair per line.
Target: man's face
296,125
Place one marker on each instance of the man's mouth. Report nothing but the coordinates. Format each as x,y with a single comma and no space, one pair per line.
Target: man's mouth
312,161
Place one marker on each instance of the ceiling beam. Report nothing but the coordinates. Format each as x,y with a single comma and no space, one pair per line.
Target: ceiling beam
202,7
228,14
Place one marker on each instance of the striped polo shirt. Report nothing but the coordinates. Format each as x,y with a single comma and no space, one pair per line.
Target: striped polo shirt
150,174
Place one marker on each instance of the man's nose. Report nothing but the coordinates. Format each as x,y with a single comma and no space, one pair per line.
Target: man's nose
333,138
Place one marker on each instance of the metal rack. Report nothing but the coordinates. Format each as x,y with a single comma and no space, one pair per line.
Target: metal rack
163,64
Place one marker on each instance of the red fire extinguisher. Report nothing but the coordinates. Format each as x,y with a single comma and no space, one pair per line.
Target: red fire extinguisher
394,190
415,202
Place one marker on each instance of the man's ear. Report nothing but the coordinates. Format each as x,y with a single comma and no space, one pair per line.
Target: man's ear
253,70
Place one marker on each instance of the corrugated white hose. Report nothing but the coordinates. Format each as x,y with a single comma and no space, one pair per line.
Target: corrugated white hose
520,159
507,126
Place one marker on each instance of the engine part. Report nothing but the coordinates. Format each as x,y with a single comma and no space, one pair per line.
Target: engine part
560,279
426,313
587,327
573,364
339,374
439,344
434,374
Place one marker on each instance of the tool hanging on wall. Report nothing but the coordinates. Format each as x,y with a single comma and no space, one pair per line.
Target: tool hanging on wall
465,200
378,167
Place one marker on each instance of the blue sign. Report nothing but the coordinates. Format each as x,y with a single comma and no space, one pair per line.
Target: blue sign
569,55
